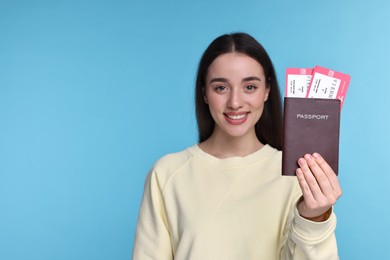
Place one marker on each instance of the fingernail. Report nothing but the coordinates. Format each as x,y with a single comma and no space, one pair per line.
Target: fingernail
316,155
301,161
308,157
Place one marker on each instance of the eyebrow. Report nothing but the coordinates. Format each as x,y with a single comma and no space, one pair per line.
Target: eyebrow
250,79
224,80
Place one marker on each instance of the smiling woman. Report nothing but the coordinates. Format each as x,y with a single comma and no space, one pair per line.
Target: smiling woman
225,198
235,93
269,128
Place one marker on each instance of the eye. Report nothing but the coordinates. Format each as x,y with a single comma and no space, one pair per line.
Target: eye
250,88
220,88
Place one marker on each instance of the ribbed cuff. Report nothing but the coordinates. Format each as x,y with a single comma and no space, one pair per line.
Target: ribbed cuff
311,231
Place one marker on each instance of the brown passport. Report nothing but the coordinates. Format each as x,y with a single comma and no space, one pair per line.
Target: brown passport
310,125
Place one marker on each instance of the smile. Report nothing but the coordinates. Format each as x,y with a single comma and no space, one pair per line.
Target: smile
236,118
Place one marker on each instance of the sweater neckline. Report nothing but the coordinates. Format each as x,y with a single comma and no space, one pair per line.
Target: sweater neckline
195,150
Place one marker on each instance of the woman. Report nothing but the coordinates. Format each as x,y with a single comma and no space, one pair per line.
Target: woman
225,198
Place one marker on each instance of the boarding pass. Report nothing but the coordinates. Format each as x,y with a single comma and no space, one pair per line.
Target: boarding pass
319,82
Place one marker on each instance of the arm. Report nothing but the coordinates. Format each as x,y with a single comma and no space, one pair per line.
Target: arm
311,240
152,240
311,230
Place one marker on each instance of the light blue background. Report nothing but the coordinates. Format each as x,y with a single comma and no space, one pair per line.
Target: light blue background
93,92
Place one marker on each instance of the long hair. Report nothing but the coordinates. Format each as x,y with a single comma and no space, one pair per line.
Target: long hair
269,127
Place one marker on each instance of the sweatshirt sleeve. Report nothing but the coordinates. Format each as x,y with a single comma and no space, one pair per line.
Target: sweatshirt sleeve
152,239
308,240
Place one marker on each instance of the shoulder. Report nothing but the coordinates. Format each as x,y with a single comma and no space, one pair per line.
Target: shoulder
274,156
165,167
170,162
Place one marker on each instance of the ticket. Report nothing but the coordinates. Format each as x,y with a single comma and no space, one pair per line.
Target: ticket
330,84
297,82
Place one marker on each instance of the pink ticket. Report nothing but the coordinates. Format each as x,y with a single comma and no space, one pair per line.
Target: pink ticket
297,82
326,83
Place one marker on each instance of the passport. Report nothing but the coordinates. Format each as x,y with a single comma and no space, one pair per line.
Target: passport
310,125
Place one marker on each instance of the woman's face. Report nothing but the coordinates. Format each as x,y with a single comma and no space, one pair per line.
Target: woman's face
235,92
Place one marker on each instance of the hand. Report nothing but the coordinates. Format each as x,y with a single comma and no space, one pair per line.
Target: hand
320,187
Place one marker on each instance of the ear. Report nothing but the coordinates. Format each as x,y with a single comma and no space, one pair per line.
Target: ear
204,96
267,90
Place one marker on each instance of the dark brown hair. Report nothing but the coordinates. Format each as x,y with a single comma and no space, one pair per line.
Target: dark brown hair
269,127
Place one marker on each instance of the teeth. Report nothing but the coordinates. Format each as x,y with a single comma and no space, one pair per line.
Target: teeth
236,117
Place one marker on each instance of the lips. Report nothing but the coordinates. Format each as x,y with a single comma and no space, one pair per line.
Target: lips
236,118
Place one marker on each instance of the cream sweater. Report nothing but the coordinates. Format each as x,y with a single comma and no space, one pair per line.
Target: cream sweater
198,207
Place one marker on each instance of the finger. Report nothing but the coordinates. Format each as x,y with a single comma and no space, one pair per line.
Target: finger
334,182
311,180
323,164
321,177
306,192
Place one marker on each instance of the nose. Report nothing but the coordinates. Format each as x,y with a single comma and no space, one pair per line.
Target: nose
235,100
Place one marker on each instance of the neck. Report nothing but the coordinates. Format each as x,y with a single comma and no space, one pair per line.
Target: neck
222,146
